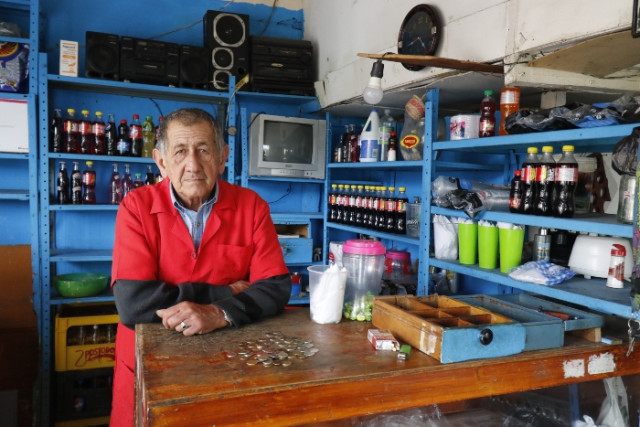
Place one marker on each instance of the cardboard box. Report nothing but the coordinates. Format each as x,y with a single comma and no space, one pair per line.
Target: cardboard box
382,340
14,126
68,58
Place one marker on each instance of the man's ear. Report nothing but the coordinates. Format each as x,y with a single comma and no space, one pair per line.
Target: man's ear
157,157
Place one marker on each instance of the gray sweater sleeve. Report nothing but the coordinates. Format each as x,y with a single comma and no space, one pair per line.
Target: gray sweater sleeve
138,300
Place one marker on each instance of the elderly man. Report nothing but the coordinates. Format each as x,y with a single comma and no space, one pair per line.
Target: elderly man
193,251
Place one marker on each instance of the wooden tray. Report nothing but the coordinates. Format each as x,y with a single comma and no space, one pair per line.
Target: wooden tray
447,329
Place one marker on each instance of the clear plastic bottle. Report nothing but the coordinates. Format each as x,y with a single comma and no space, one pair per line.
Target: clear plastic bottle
62,184
56,132
566,179
76,184
487,124
148,136
87,139
545,177
99,133
157,130
89,184
528,176
71,141
387,125
509,104
115,186
111,136
127,181
135,136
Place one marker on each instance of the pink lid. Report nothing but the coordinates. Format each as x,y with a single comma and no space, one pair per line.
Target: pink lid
363,247
402,255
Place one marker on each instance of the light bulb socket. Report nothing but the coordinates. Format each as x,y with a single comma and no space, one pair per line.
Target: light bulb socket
377,69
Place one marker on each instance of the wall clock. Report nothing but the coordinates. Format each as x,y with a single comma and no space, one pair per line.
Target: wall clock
419,33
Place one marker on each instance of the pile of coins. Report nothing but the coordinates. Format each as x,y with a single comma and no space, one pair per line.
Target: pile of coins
273,349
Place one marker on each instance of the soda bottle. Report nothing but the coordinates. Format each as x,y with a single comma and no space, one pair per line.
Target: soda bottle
392,154
111,136
346,146
148,137
138,181
89,184
509,104
351,208
99,133
381,214
354,147
545,177
359,206
149,179
62,184
127,182
124,143
516,192
387,125
135,136
528,176
401,211
366,206
87,141
71,142
56,132
331,213
115,186
487,125
390,211
76,184
160,120
566,178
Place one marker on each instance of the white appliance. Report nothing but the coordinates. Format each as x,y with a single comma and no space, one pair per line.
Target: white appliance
591,256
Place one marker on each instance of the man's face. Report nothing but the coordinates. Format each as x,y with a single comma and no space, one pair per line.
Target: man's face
192,162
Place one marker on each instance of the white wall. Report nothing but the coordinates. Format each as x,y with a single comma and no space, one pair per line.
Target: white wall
484,31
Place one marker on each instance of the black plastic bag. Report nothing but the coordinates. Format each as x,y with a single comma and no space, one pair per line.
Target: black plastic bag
624,158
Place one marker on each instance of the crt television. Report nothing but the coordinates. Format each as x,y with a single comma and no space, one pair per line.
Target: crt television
285,146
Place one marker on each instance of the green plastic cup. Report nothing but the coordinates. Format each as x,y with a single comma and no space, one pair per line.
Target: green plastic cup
467,242
511,241
488,246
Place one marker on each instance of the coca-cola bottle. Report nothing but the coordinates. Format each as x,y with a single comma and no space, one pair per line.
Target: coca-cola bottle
360,200
127,181
87,141
529,171
137,183
56,132
545,178
111,136
516,192
71,142
124,143
333,195
62,184
150,178
115,186
401,211
76,184
89,184
135,136
99,133
566,178
390,211
381,215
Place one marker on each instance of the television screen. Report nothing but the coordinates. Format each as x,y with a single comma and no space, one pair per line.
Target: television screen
287,142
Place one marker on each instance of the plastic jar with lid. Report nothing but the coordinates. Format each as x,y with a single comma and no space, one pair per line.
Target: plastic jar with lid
397,264
364,261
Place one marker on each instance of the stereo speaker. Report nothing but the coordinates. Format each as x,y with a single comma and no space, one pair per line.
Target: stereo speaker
149,61
227,35
195,67
102,56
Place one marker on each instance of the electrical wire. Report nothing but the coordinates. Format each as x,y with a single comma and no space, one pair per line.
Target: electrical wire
273,9
287,192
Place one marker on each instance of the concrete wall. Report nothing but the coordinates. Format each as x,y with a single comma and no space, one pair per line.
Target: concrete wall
484,31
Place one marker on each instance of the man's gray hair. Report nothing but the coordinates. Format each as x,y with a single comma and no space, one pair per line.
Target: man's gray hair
188,117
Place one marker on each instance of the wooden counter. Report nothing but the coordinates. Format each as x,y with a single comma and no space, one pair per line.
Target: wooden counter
190,381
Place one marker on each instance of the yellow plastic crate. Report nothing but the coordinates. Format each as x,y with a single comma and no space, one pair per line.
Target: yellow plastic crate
85,336
87,422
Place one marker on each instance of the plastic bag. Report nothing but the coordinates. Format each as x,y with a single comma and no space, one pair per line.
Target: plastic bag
445,237
541,273
624,159
614,411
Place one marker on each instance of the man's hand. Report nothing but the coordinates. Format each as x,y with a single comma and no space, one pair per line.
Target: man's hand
190,318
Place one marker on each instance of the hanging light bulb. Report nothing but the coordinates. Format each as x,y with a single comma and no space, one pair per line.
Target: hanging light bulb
373,92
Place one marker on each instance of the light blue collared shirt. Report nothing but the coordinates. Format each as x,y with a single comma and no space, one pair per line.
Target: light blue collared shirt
195,221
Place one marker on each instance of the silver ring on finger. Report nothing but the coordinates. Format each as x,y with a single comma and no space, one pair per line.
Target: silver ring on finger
183,325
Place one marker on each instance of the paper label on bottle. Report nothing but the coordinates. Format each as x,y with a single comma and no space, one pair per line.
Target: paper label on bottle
566,174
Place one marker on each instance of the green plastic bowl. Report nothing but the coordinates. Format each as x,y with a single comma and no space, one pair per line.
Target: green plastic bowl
76,285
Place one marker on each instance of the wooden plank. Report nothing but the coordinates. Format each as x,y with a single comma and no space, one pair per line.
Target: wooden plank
189,381
598,57
436,61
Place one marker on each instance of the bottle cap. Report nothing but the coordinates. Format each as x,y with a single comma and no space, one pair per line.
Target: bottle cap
533,150
488,92
547,149
567,148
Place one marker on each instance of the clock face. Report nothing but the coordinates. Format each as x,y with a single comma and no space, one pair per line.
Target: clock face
419,34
